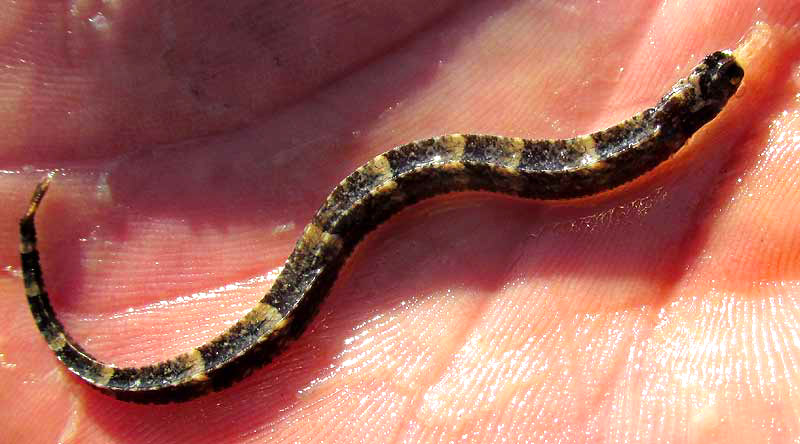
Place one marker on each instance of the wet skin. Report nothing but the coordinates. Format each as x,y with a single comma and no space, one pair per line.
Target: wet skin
477,316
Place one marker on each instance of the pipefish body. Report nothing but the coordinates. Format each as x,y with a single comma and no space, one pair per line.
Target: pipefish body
535,169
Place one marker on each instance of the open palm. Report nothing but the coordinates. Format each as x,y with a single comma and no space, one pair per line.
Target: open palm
194,141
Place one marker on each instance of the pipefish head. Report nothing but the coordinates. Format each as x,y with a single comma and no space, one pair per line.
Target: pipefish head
698,98
717,77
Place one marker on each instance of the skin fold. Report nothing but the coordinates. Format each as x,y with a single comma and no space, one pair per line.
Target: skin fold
665,310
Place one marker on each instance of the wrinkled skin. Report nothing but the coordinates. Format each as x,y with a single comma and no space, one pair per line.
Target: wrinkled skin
197,140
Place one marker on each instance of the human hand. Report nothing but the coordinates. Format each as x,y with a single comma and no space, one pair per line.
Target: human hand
195,144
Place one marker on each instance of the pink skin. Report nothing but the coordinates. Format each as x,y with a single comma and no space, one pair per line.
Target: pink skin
197,140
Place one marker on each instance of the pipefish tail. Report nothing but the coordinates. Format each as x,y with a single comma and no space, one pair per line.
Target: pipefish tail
535,169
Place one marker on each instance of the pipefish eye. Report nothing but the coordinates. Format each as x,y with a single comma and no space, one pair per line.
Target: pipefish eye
725,68
731,71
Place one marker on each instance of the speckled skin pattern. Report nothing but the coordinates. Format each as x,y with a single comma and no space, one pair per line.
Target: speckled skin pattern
536,169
